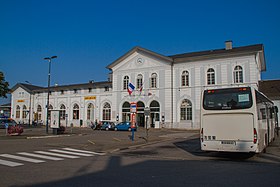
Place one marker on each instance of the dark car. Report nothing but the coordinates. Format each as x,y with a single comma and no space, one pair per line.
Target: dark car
124,126
9,121
108,126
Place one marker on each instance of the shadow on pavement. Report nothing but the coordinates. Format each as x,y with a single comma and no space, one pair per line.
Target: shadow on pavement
193,146
172,173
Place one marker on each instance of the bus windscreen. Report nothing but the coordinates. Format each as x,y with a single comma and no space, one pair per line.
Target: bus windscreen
227,99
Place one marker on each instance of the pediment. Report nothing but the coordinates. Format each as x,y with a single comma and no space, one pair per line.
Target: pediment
139,59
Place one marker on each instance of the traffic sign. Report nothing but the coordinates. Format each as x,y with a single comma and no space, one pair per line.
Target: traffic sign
6,125
133,107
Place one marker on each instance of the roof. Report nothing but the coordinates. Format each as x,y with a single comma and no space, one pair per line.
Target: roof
271,88
200,55
77,86
27,87
7,105
32,88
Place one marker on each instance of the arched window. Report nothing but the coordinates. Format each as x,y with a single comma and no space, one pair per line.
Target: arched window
76,112
186,110
18,111
185,78
238,74
126,111
153,83
210,76
24,112
62,112
39,111
107,112
125,82
139,81
90,112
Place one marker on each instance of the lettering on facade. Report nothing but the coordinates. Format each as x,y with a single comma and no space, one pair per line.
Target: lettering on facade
90,97
20,101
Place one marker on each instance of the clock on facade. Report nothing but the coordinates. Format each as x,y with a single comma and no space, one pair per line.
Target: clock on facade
139,60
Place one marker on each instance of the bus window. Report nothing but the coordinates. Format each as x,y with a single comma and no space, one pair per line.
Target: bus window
227,99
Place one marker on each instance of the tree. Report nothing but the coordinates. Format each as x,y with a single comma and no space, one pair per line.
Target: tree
4,86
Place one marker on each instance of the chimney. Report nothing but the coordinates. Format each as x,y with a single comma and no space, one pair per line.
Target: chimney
228,44
110,77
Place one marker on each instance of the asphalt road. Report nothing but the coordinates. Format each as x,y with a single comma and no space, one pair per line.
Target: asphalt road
169,158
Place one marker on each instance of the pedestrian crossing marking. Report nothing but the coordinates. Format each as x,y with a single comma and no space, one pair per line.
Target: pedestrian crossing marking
72,153
83,151
56,154
52,154
40,156
9,163
22,158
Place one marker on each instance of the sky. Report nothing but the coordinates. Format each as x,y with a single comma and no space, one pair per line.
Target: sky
88,35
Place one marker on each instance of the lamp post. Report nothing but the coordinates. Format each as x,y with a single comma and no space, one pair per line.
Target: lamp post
29,105
48,98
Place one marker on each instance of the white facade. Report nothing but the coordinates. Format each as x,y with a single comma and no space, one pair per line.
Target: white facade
171,87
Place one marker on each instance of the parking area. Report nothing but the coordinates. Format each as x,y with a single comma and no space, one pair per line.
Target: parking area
114,141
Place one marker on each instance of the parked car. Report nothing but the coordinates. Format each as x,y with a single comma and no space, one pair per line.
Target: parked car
108,126
124,126
9,121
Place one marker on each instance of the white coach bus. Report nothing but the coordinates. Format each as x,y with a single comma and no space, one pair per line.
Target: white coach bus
236,120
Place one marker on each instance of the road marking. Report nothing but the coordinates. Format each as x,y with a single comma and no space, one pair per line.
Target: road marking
83,151
22,158
68,152
40,156
9,163
56,154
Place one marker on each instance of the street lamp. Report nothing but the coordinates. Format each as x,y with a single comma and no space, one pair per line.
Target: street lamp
29,104
48,98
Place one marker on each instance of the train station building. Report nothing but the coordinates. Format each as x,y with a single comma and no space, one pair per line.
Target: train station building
169,86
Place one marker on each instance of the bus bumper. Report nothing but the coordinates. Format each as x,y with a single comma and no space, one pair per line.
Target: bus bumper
229,146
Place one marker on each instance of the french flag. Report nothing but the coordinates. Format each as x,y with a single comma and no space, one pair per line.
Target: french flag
130,88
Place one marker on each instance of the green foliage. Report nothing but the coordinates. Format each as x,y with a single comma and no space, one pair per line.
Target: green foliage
4,86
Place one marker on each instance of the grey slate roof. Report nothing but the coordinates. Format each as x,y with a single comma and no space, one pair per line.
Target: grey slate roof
271,88
32,88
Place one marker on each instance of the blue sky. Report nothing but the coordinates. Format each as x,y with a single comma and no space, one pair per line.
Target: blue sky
87,35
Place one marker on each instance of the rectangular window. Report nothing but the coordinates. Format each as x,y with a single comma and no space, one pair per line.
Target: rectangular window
227,99
18,114
183,113
189,113
62,114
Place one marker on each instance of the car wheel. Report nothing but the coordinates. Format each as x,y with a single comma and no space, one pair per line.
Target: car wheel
116,129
